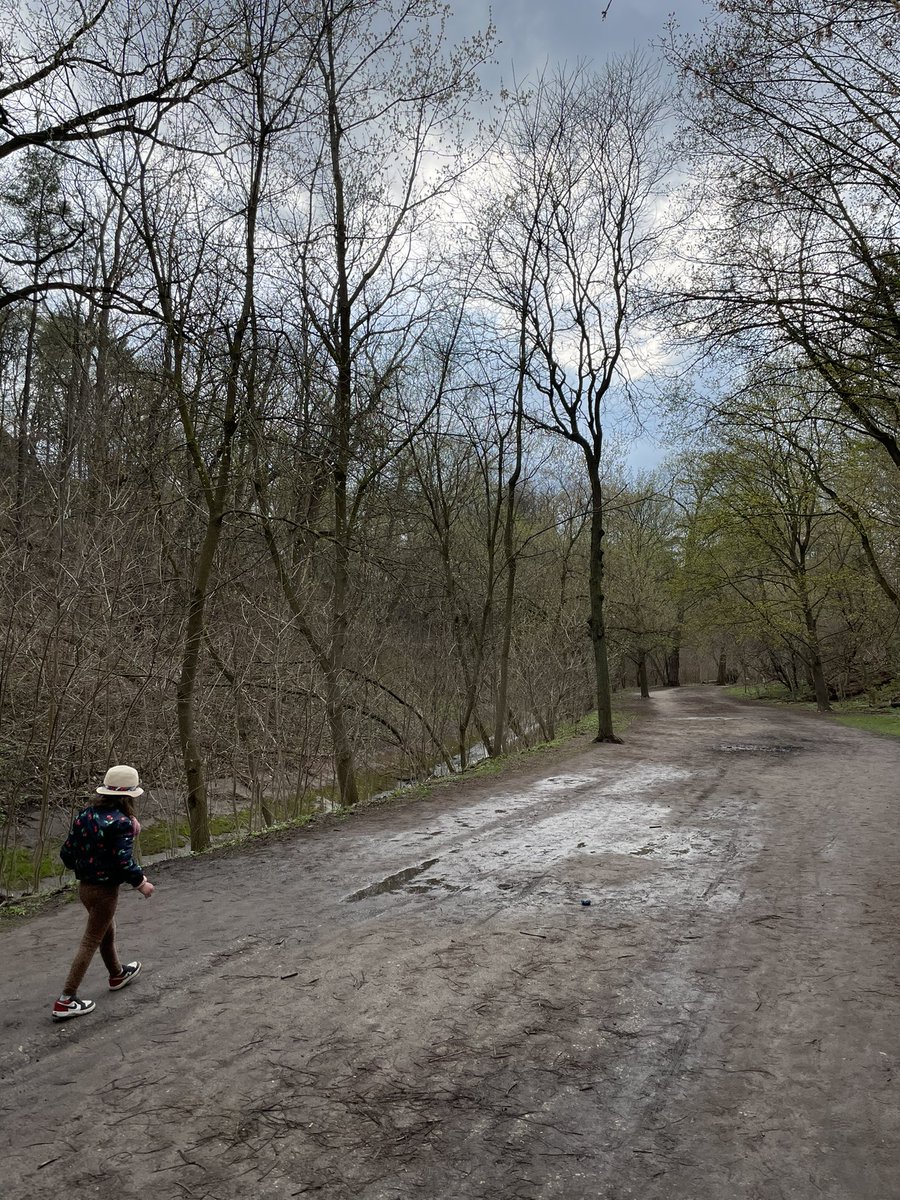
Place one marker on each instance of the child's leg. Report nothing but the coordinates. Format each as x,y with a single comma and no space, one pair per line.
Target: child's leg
100,901
108,951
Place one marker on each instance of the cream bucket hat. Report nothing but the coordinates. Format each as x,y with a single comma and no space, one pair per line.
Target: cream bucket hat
120,781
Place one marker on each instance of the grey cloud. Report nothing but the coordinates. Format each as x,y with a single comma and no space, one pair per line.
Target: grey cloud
533,32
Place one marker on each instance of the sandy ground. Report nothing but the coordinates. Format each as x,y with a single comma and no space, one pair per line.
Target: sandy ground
415,1004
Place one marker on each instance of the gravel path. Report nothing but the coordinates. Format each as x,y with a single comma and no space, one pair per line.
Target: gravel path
414,1004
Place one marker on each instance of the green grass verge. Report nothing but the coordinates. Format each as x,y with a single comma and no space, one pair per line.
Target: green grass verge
163,836
17,868
30,906
873,722
870,712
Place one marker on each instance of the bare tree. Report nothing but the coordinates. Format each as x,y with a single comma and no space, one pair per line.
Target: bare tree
199,230
581,173
38,234
386,93
78,74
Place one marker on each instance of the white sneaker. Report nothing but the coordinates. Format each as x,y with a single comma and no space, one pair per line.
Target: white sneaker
128,973
71,1007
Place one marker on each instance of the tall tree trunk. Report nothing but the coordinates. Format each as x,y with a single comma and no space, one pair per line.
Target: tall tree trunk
605,732
509,601
335,703
216,491
335,699
22,428
465,635
342,747
643,682
342,354
245,738
510,557
197,807
816,670
722,671
673,667
673,655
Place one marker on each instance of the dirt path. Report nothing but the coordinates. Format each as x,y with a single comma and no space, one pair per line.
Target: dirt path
721,1022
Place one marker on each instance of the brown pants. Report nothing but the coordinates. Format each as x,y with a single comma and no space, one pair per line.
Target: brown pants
100,900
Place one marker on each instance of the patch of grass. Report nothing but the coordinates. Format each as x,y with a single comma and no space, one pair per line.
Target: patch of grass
28,906
368,783
585,724
36,902
870,711
873,722
484,766
271,830
17,868
770,693
164,835
219,826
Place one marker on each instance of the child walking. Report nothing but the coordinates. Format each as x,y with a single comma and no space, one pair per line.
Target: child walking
99,849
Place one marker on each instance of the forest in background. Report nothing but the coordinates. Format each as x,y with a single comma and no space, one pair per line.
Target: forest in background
317,386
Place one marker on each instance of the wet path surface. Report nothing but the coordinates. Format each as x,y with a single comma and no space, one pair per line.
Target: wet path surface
417,1004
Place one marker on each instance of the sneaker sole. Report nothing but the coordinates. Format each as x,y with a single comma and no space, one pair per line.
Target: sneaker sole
117,987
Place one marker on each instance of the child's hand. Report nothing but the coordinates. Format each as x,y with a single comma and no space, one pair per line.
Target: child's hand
136,826
146,888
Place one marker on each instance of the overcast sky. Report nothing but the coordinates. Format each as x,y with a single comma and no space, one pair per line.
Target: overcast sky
534,31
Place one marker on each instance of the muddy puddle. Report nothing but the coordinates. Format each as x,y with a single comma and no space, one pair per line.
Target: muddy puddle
391,883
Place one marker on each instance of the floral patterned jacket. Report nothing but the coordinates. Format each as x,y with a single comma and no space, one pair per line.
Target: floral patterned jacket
100,847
